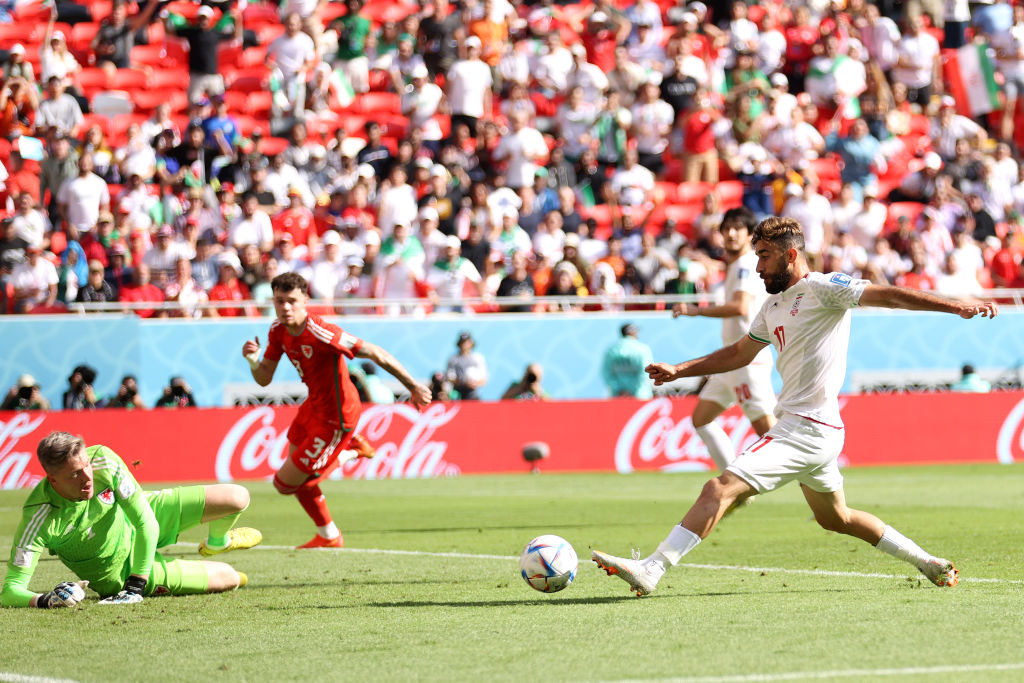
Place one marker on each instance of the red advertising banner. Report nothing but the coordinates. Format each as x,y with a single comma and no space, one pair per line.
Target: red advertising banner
475,438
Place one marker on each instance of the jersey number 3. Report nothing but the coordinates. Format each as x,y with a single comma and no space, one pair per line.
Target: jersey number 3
298,367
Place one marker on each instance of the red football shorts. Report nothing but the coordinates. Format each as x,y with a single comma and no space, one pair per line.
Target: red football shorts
317,442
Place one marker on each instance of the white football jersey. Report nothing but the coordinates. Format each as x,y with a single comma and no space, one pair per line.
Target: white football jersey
741,276
809,326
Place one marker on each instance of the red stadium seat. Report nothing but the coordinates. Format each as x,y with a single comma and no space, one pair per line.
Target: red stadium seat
249,80
237,101
148,55
693,193
91,80
377,103
270,146
259,103
130,79
168,78
911,210
261,13
147,100
669,192
380,12
730,194
90,120
252,56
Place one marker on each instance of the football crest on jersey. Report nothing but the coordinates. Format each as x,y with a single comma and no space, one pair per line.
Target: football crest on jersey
107,496
796,304
307,350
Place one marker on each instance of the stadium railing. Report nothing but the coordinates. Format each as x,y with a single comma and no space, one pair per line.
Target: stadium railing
1013,298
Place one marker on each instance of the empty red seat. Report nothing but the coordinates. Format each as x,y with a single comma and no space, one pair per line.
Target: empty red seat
693,192
236,101
377,103
259,103
130,80
270,146
168,78
730,194
92,80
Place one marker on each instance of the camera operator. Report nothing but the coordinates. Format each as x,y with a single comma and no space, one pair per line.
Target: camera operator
80,394
177,394
127,394
25,395
528,388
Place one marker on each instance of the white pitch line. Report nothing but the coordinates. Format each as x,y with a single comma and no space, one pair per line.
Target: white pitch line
9,677
841,673
710,567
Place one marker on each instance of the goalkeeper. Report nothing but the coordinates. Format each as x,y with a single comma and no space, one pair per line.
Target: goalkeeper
90,512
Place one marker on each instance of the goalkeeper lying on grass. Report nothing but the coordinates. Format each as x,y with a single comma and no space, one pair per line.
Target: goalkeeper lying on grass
90,512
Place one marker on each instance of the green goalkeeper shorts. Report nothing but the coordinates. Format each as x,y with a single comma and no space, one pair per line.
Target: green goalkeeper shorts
177,510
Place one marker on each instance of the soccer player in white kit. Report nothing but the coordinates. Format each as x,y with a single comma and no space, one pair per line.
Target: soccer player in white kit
807,319
750,385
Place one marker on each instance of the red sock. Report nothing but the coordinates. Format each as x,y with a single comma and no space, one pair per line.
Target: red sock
312,501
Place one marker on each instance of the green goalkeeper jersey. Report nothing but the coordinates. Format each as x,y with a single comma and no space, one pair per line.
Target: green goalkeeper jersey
103,539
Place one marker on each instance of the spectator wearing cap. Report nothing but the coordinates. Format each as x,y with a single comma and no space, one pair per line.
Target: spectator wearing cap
228,287
948,127
430,237
58,111
652,120
115,37
644,47
403,62
204,44
467,369
55,59
604,36
34,281
918,66
17,66
95,289
80,199
468,86
402,268
421,103
375,153
96,242
253,226
919,186
522,147
449,276
25,395
623,363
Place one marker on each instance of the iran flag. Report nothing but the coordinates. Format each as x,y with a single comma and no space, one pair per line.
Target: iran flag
971,79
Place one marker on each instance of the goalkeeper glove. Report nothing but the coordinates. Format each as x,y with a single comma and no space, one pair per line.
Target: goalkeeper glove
65,594
130,595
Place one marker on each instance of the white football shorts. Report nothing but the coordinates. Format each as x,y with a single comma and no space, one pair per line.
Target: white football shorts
796,448
750,386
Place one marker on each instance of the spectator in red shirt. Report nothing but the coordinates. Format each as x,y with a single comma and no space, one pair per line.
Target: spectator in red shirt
142,289
801,38
917,277
298,222
96,242
699,140
602,34
24,177
1006,263
229,287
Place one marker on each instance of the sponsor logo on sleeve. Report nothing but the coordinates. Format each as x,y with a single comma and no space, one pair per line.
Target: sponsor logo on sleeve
107,496
841,279
126,488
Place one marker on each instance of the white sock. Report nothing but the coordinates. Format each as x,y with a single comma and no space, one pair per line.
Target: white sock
328,531
678,542
901,547
719,444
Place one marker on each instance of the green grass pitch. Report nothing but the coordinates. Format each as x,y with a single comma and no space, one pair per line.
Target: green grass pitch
847,611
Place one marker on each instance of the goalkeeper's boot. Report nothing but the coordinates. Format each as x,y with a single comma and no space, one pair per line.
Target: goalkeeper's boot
362,447
243,579
238,539
941,572
641,576
321,542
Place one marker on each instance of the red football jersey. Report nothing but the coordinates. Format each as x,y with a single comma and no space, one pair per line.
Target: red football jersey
319,354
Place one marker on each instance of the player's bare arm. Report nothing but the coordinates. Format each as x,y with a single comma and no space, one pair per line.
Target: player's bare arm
724,359
420,393
262,370
885,296
737,306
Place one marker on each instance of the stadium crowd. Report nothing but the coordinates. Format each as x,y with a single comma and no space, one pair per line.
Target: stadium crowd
494,149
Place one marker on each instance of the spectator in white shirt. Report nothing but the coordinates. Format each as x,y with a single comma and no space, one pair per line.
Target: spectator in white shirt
420,103
34,281
632,184
292,56
573,120
553,66
652,123
83,197
252,226
586,75
918,66
162,257
59,111
880,35
870,220
29,223
815,216
522,147
468,87
330,270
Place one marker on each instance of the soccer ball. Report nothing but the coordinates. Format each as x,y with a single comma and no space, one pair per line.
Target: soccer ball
548,563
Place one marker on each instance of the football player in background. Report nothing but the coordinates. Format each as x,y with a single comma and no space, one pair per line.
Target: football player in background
324,426
91,513
807,318
750,385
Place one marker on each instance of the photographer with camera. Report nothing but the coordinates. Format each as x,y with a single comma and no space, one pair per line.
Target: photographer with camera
25,395
177,394
127,395
80,394
528,388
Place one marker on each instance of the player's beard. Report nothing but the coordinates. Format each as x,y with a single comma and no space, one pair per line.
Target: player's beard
777,282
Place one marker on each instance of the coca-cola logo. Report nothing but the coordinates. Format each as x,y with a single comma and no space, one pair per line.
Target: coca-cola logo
14,464
1010,443
405,439
654,438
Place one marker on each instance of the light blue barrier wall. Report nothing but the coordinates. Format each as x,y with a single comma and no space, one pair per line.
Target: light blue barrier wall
208,354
